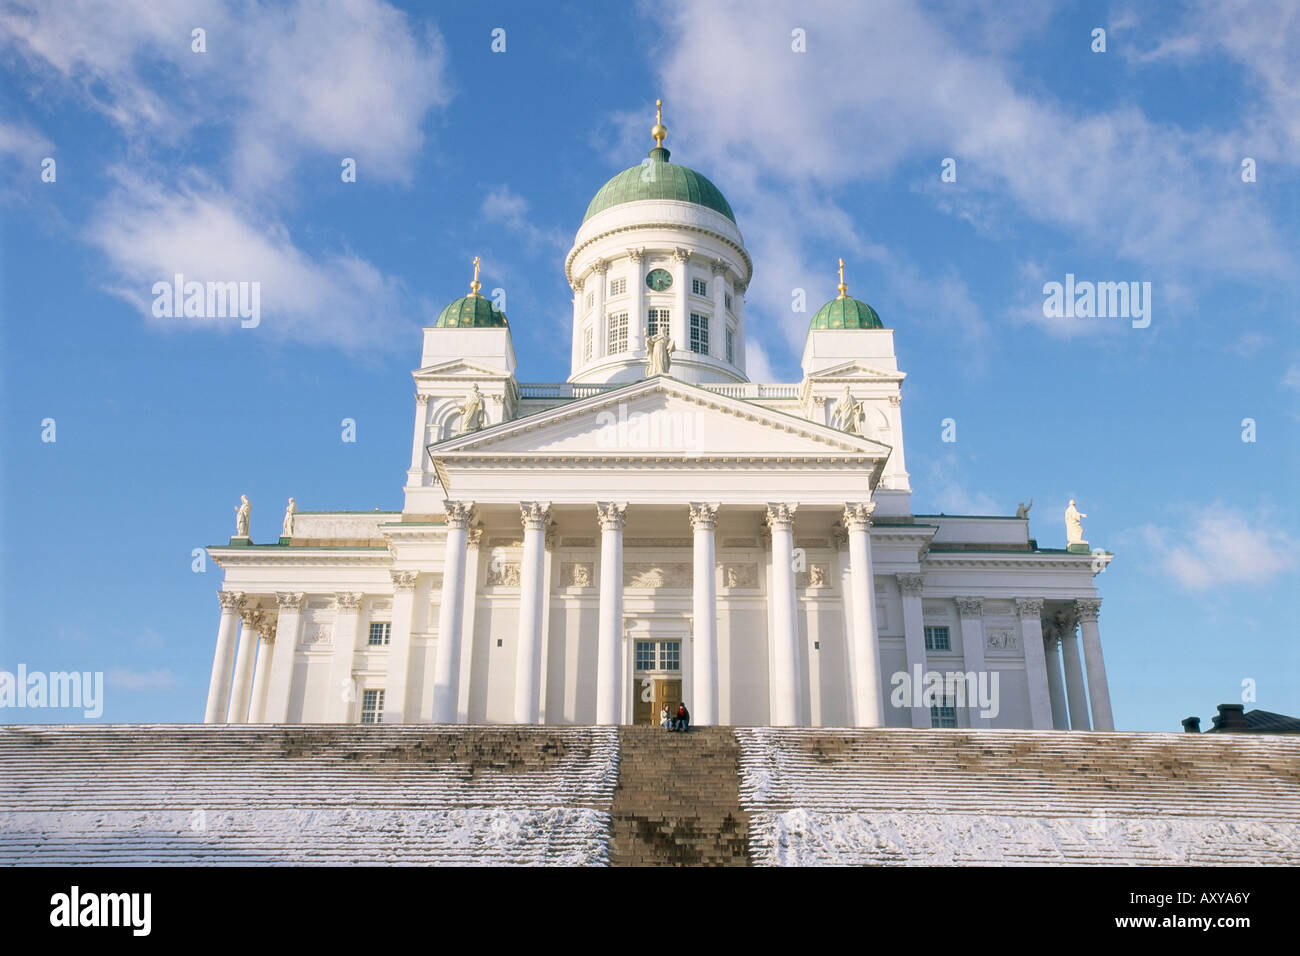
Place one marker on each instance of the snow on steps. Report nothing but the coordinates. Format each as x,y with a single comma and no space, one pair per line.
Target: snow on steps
196,794
907,796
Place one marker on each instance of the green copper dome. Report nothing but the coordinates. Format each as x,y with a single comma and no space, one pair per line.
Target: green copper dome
471,312
659,179
846,313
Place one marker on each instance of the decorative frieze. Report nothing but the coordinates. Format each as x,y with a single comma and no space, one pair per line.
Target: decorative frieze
1001,639
812,544
816,576
503,574
657,543
576,574
739,543
317,635
654,576
578,542
740,575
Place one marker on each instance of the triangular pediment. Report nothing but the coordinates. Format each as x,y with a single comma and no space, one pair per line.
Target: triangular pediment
661,417
857,370
457,368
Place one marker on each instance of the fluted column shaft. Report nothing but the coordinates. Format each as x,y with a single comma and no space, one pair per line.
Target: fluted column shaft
785,646
288,627
914,638
446,668
680,321
1098,687
609,641
343,690
970,610
868,709
1055,686
528,663
637,316
704,659
224,659
1031,638
399,648
241,692
1075,692
262,671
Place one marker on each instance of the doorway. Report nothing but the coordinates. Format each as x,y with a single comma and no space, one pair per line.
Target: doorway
657,681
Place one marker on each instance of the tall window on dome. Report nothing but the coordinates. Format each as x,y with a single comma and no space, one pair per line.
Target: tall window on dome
699,333
731,345
586,344
699,287
726,297
656,319
591,299
616,339
618,287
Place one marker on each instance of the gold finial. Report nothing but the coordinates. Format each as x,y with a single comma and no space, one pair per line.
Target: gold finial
844,290
475,286
660,132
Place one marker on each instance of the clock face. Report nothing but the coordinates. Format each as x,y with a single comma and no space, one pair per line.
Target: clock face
659,279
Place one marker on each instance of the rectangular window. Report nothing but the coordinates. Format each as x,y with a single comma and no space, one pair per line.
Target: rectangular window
656,319
670,655
726,296
591,299
586,344
731,345
699,333
645,655
659,655
372,706
618,287
616,339
936,639
699,287
944,713
379,632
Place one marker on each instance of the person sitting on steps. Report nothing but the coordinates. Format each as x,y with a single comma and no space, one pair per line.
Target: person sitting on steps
682,721
665,720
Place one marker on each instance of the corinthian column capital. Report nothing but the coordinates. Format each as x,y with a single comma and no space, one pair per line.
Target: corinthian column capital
290,600
857,515
911,584
1029,607
404,580
1087,609
535,514
232,601
458,513
780,515
611,515
704,517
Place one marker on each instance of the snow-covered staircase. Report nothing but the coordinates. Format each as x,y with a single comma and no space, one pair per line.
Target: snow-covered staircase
1019,797
143,794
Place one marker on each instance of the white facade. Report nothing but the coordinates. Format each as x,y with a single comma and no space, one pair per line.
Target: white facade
725,531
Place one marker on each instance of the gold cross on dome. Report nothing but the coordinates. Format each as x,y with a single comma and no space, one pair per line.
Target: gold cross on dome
843,288
475,286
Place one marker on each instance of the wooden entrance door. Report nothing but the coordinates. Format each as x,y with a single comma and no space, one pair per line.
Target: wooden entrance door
652,694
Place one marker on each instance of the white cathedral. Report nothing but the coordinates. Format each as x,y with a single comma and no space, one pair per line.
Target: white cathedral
658,528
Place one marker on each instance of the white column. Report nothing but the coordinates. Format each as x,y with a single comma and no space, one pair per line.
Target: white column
241,692
704,660
600,321
681,319
971,611
1030,612
868,709
911,586
785,708
415,476
1074,689
738,310
399,648
576,360
279,677
1055,686
528,663
232,602
262,671
1098,689
636,316
609,644
446,671
469,609
343,689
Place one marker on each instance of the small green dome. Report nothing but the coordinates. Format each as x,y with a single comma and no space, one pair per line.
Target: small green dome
846,313
472,312
659,179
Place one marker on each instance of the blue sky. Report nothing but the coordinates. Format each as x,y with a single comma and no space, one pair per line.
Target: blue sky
1115,166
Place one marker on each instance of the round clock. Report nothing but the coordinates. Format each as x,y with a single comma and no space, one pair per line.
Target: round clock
659,279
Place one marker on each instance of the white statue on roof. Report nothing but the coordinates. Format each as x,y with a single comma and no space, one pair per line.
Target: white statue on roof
471,413
1073,524
243,514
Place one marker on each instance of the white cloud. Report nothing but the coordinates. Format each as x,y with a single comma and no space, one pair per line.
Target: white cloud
25,144
149,232
946,492
505,206
1222,546
1291,377
124,678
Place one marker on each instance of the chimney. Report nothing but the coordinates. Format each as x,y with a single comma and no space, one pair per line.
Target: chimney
1191,725
1231,717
